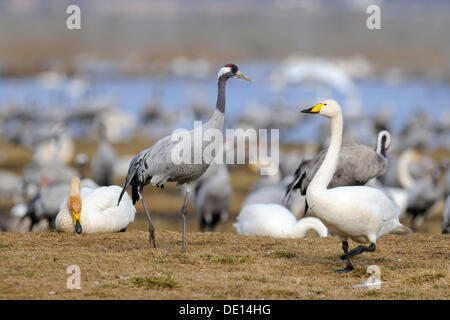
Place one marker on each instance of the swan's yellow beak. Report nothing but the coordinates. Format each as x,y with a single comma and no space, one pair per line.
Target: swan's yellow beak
315,109
76,222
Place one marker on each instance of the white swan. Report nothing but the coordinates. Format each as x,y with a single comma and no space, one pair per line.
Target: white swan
404,176
94,210
274,220
360,213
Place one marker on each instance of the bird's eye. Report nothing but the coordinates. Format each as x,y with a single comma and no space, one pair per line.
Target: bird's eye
324,104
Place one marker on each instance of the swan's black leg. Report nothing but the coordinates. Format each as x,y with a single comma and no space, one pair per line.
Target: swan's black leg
151,229
349,266
359,250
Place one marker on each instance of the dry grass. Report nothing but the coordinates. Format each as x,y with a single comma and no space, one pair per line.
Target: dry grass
219,265
216,266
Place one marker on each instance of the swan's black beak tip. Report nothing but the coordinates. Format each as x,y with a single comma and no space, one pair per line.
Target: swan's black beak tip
78,228
307,110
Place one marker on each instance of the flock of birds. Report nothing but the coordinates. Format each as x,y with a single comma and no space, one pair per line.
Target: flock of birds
350,190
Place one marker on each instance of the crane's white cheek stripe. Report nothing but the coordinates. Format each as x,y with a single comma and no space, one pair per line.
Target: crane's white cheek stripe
223,70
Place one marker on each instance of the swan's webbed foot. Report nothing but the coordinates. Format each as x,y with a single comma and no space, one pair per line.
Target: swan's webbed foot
348,268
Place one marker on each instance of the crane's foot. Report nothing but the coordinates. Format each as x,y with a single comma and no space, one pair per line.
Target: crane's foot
152,237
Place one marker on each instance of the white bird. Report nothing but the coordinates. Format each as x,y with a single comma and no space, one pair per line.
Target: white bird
57,147
94,210
9,185
398,195
46,204
357,165
274,220
360,213
446,218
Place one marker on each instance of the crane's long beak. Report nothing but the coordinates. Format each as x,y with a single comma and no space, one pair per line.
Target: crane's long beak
315,109
243,76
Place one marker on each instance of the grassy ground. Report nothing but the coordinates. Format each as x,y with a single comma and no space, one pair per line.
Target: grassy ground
217,266
221,265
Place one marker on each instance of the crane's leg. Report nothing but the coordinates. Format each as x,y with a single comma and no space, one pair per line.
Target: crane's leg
183,215
359,250
151,229
349,266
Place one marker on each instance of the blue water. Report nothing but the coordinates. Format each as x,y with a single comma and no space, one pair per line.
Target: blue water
132,93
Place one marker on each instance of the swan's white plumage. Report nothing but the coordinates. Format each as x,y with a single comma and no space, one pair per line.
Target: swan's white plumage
99,211
274,220
360,213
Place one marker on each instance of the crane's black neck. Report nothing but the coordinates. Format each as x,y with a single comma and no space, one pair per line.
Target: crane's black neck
221,82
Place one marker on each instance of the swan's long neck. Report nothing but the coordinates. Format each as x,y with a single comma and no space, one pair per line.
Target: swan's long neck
326,171
403,174
75,187
303,226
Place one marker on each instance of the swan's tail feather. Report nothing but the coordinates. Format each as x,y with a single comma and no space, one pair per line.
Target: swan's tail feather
401,230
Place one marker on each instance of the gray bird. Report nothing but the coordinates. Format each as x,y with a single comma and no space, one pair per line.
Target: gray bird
155,165
423,195
446,218
445,166
102,166
357,164
211,196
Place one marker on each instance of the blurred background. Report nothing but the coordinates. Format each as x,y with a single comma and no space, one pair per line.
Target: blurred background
138,69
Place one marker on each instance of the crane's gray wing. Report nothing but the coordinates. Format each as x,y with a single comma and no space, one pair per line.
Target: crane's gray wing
137,175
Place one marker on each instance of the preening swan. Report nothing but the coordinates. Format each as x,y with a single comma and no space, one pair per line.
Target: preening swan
360,213
275,220
94,210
